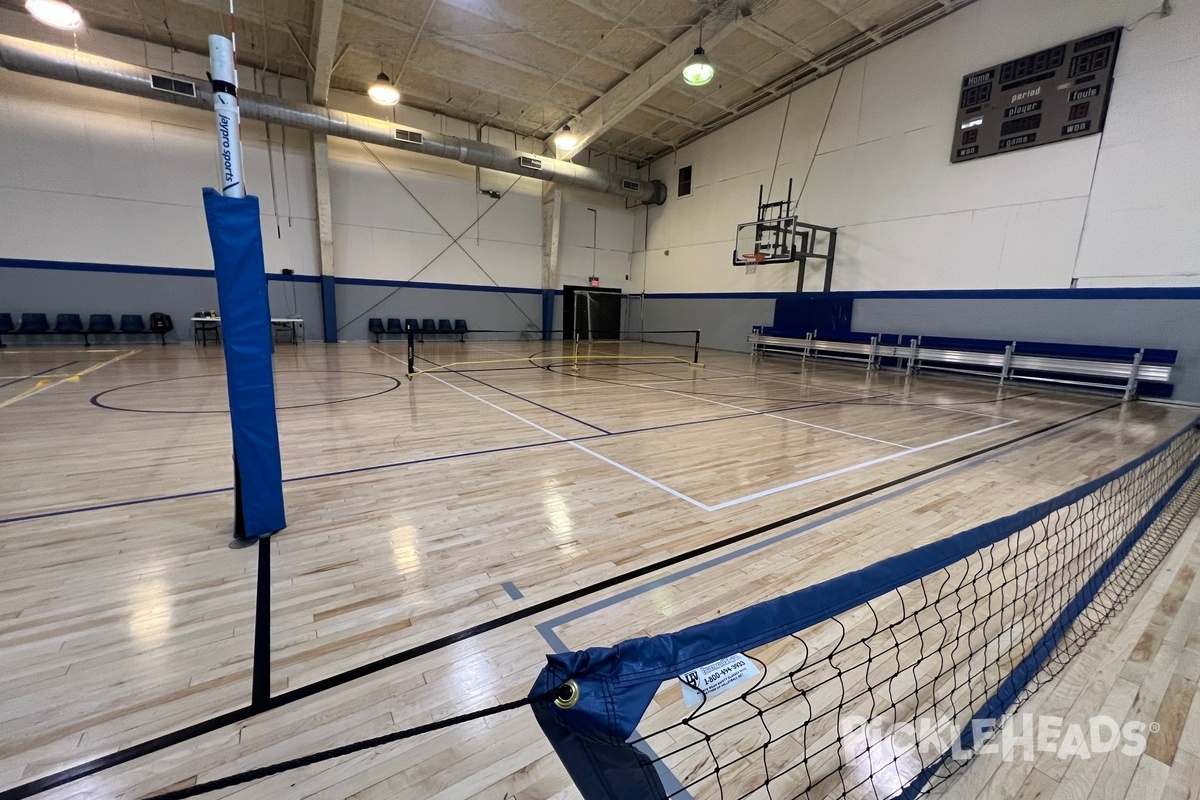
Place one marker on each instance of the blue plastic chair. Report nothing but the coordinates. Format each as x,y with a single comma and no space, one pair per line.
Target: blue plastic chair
101,323
395,326
33,323
375,326
445,327
6,325
68,323
460,327
410,324
132,323
427,326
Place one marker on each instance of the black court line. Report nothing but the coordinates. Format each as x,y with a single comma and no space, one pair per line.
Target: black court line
260,691
36,374
452,371
96,398
434,459
190,732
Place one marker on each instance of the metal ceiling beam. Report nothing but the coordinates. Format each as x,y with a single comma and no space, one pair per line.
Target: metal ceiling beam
517,25
778,41
327,19
598,9
470,50
491,86
640,86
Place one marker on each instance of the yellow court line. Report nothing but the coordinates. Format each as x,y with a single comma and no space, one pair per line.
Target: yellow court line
41,350
43,385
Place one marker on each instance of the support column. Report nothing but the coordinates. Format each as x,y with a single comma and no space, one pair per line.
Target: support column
551,235
320,147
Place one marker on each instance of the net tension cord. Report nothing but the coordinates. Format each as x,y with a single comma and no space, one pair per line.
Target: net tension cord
565,696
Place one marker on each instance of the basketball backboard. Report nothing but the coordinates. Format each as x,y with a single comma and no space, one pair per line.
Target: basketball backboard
768,241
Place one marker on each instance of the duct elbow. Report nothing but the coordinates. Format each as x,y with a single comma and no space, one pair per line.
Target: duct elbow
657,193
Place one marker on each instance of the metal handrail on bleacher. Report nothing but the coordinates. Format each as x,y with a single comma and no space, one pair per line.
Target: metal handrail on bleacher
913,357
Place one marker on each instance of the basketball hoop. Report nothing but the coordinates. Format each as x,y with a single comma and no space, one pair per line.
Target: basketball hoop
757,258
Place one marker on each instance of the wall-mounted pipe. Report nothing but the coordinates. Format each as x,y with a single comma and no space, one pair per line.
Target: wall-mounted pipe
59,63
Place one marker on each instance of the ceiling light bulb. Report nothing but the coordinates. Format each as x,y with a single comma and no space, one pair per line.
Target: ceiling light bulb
383,92
699,69
566,139
55,13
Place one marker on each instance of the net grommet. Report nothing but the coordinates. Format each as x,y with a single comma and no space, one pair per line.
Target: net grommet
568,695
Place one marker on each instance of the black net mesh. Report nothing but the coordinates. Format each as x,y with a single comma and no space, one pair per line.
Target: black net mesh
871,701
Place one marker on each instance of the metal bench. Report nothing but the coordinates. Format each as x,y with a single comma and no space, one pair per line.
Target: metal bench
1121,369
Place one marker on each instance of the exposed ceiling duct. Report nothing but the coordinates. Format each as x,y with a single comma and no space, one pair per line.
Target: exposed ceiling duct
48,61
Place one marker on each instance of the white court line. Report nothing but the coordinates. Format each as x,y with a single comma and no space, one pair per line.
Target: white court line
694,379
555,391
851,468
39,389
787,419
901,404
728,503
563,439
812,385
963,411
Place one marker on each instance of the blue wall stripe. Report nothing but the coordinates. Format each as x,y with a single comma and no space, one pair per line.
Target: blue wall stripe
455,287
84,266
1130,293
187,272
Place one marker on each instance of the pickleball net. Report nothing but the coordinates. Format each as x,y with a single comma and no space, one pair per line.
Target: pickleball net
881,683
491,350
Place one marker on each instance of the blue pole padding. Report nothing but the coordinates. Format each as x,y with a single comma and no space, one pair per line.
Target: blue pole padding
329,308
547,313
236,236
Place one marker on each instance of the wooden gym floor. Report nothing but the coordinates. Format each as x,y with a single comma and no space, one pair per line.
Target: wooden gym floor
444,534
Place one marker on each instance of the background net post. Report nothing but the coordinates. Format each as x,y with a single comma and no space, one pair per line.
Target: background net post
412,361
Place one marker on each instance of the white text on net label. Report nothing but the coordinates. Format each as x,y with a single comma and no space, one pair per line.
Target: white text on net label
715,678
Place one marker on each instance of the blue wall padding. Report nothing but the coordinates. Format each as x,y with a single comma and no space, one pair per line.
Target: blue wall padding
805,313
233,229
329,308
617,684
547,314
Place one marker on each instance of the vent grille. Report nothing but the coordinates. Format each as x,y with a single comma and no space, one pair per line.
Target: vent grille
530,163
172,86
631,186
412,137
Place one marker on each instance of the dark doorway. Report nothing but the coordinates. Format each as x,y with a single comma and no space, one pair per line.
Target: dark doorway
605,312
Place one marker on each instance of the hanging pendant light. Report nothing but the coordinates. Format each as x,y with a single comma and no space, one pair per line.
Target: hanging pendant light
55,13
566,139
383,92
699,71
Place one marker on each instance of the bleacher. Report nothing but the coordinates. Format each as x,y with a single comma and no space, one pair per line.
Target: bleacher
1131,371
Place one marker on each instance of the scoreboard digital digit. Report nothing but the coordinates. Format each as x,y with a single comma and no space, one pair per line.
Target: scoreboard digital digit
1060,93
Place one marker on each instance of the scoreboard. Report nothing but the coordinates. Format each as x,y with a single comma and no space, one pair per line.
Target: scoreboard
1060,93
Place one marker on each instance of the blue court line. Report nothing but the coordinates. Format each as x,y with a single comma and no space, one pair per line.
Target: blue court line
34,375
512,590
398,464
546,629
